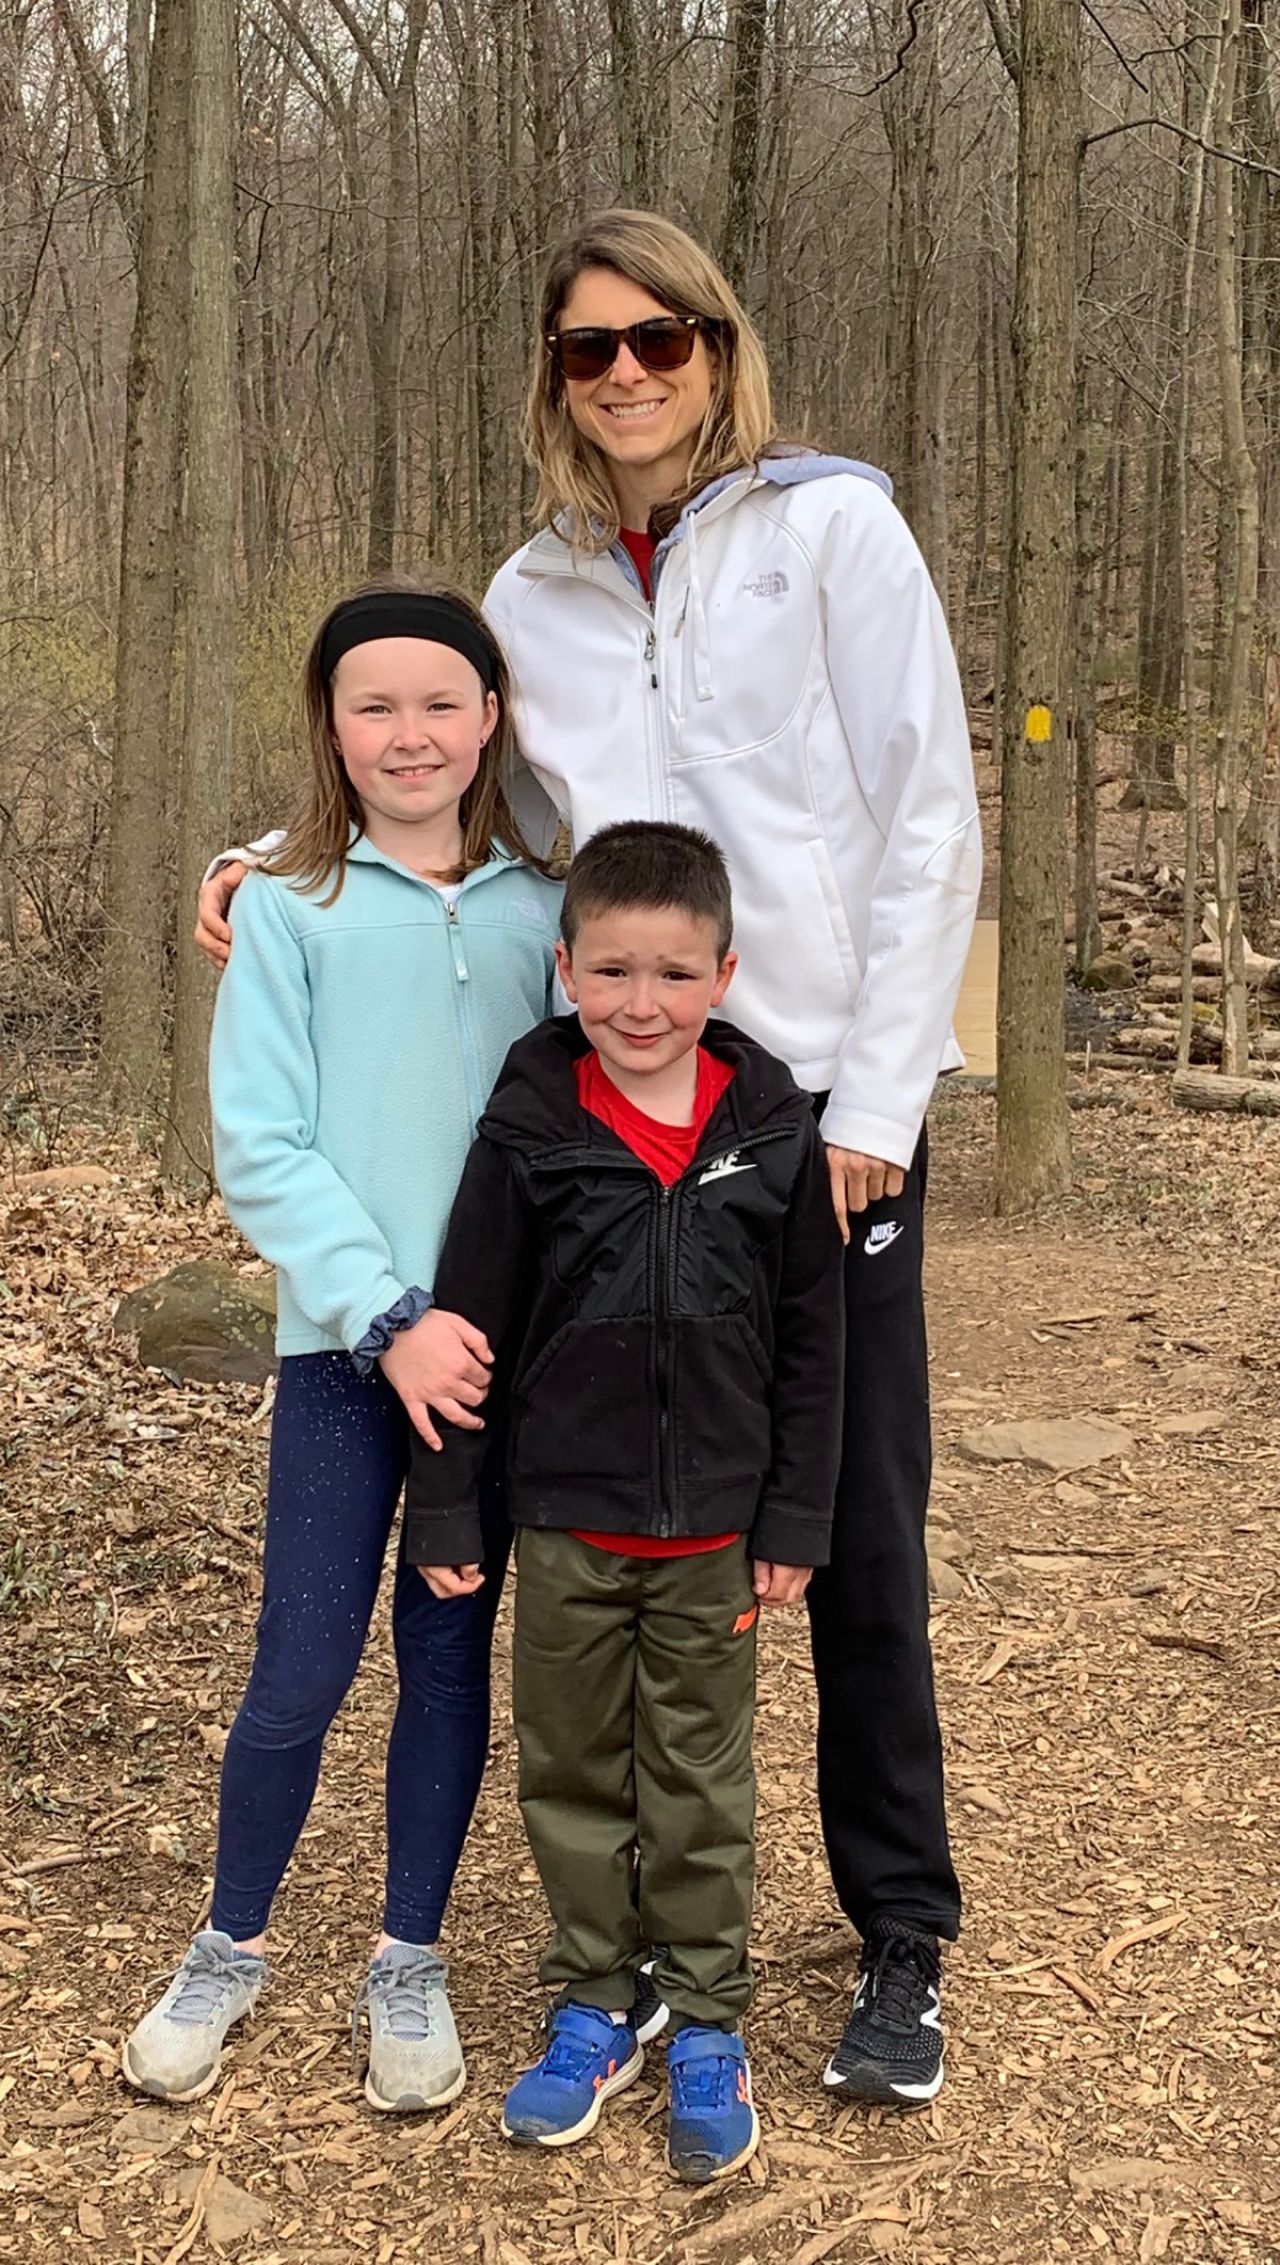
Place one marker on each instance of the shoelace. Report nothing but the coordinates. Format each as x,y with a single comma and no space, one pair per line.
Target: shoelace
206,1977
903,1969
571,2051
706,2082
403,1989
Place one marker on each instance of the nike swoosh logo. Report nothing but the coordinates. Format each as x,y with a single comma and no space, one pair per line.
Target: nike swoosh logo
880,1237
723,1172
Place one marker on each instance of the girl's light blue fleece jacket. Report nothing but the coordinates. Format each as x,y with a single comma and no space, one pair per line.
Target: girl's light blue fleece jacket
354,1047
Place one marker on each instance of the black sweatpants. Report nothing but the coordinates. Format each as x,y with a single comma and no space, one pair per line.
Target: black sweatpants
879,1751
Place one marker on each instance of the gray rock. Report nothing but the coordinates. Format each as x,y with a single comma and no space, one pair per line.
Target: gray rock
1059,1443
946,1581
149,2131
229,2212
1191,1426
1110,971
1075,1497
204,1323
943,1541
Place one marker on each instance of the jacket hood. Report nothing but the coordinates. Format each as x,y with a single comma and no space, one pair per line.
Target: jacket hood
793,470
535,1100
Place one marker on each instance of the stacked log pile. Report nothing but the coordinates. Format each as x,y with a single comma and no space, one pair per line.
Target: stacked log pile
1136,978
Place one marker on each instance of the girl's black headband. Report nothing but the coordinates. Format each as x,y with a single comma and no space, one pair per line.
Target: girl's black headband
407,613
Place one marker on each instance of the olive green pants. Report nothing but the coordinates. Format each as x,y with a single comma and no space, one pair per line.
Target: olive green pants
634,1692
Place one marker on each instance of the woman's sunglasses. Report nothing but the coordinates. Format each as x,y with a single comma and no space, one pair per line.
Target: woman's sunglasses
665,342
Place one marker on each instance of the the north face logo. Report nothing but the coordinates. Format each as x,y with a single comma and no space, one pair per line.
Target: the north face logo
768,586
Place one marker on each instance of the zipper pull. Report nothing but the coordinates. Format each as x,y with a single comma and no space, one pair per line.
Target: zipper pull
460,967
650,648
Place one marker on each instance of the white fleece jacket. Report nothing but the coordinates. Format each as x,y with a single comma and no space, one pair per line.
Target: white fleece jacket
792,691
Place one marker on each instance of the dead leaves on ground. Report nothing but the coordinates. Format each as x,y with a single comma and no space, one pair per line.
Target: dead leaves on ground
1110,1700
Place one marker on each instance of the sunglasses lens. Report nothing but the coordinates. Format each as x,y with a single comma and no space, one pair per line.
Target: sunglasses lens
662,345
586,353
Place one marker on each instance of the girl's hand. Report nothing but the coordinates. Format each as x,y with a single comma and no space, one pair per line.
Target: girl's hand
452,1580
779,1584
857,1180
441,1363
213,933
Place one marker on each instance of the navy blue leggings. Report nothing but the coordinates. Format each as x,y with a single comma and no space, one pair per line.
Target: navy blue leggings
339,1452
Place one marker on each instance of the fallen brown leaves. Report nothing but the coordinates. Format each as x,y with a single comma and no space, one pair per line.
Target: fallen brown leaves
1110,1699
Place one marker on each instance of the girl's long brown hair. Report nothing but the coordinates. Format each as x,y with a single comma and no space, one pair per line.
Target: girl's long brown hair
648,249
315,849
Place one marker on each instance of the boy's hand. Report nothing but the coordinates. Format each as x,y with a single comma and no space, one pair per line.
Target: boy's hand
779,1584
442,1363
857,1180
452,1580
213,934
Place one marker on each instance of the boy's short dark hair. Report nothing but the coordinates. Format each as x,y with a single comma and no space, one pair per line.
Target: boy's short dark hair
648,865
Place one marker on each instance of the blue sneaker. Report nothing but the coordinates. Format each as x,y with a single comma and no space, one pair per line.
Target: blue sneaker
588,2059
714,2127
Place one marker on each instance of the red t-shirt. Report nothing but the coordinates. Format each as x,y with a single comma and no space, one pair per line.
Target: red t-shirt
668,1150
641,549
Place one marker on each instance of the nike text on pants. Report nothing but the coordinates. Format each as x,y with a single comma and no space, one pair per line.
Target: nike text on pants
879,1750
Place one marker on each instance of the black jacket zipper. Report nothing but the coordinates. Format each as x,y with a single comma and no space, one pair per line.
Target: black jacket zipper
663,1252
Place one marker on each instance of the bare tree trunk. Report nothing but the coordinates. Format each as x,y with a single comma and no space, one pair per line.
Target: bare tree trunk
627,77
133,967
738,240
1240,480
1084,700
976,580
916,374
1033,1153
209,577
388,335
1191,722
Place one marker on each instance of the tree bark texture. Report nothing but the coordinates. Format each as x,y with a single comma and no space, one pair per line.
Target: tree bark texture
1033,1156
916,358
136,893
209,565
1240,595
742,197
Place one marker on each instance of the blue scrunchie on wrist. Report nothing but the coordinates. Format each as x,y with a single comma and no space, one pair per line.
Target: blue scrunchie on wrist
407,1310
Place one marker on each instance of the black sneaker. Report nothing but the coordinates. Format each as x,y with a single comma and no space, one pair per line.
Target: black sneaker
891,2050
649,2013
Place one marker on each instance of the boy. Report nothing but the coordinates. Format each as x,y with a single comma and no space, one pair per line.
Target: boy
645,1222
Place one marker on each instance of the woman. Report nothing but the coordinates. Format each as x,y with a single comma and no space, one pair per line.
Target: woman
715,628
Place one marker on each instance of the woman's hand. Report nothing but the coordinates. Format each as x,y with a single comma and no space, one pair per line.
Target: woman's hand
441,1363
213,932
857,1180
452,1580
779,1584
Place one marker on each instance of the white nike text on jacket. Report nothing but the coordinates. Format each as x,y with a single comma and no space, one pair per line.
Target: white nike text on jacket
793,692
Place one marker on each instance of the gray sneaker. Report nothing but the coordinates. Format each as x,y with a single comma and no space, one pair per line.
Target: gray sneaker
415,2060
176,2050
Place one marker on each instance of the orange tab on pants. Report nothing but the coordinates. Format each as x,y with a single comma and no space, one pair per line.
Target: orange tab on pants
746,1620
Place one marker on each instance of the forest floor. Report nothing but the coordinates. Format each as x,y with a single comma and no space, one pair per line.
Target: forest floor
1111,1699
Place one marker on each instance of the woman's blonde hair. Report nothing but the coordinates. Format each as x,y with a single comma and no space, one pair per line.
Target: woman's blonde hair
573,479
330,815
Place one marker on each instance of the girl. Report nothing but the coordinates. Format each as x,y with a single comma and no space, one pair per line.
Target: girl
386,958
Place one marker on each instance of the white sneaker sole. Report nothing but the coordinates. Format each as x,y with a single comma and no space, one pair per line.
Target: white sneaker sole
654,2026
618,2082
415,2103
725,2170
911,2095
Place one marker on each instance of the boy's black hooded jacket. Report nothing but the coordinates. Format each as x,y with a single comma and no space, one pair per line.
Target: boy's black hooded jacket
675,1355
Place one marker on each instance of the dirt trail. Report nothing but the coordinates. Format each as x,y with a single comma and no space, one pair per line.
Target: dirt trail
1111,1701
